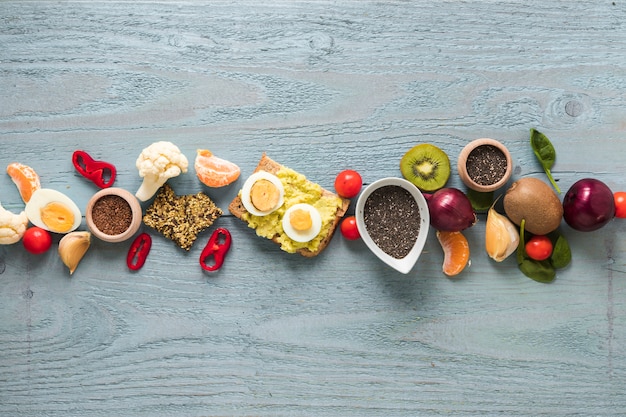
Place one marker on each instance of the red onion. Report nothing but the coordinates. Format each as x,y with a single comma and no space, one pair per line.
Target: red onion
450,210
588,205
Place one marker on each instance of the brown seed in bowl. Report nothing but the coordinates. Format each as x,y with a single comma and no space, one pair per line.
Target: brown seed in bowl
111,214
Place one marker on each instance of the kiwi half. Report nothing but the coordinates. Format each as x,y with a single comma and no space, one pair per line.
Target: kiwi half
426,166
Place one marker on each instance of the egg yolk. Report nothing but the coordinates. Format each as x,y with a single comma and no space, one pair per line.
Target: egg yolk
264,195
300,220
57,217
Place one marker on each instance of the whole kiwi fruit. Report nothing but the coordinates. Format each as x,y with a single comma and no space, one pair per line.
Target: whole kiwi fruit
536,202
426,166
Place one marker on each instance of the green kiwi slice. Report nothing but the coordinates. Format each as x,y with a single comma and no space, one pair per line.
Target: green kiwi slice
426,166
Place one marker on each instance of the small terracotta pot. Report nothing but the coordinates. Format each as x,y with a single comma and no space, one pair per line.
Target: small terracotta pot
462,165
136,215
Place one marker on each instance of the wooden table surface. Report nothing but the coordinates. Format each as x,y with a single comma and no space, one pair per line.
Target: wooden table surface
319,86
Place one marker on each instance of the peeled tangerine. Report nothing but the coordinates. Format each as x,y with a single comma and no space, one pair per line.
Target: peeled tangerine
25,178
501,236
456,252
213,171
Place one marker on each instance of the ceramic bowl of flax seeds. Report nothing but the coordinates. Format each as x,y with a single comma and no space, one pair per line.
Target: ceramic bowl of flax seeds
113,215
393,220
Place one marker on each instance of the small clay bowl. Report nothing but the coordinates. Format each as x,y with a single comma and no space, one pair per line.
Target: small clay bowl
484,186
122,200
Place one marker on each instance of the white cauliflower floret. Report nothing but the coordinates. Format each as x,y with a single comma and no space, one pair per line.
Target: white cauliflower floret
156,164
12,226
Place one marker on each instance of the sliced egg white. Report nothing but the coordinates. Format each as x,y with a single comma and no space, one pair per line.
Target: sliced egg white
247,188
53,211
302,235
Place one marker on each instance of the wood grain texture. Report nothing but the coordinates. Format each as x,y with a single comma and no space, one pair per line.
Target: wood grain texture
319,86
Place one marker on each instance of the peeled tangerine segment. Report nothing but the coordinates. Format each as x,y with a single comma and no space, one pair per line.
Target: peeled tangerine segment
456,252
213,171
25,179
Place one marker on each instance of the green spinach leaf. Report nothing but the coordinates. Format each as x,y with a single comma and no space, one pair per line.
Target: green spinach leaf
561,254
540,271
545,153
481,201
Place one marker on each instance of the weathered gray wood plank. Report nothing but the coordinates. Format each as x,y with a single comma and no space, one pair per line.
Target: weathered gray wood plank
319,86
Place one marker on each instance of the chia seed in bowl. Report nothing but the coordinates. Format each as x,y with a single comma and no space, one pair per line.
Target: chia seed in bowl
393,220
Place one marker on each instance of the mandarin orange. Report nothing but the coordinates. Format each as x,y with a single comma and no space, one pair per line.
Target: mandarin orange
456,252
213,171
25,178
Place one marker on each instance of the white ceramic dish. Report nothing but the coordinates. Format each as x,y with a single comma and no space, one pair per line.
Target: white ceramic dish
405,264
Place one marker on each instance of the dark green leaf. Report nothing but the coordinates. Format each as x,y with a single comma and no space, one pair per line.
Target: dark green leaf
561,254
480,201
540,271
545,153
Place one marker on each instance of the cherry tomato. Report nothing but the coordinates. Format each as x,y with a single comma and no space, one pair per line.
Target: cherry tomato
37,240
349,229
539,247
620,204
348,183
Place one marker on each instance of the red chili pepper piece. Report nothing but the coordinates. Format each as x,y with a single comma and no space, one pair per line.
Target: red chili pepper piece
213,254
138,252
99,172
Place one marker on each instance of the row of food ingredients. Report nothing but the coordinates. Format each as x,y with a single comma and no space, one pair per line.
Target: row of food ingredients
531,206
48,211
532,210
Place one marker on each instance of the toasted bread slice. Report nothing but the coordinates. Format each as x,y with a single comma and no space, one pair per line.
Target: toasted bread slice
267,164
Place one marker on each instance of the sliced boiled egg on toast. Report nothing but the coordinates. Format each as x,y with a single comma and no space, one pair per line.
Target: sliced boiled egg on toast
302,222
262,193
53,211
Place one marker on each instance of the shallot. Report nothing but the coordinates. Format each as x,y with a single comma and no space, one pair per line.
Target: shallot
450,210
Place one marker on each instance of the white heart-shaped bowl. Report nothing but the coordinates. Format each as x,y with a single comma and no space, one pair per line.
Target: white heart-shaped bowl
406,263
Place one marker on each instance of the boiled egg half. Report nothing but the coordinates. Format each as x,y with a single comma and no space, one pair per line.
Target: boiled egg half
262,193
53,211
302,222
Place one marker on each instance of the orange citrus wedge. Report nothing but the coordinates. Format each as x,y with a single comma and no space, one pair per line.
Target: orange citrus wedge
456,252
25,178
213,171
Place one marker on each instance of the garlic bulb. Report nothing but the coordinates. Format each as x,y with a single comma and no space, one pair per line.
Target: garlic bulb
501,236
72,248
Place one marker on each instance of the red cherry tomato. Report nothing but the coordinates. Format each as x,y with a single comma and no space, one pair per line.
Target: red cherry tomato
37,240
539,247
348,183
620,204
349,229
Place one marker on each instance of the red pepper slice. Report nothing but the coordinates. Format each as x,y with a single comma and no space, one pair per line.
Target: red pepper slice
213,254
99,172
138,252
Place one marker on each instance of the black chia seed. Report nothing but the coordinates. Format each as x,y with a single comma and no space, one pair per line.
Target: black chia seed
486,165
392,220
